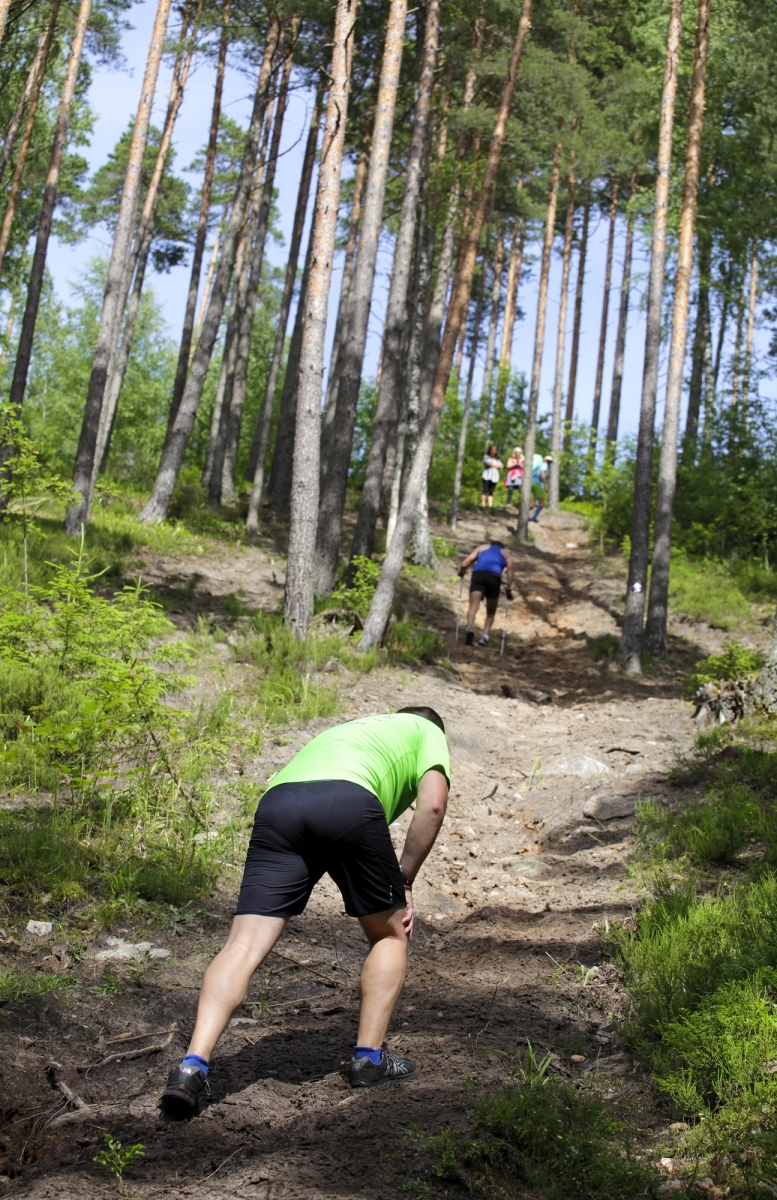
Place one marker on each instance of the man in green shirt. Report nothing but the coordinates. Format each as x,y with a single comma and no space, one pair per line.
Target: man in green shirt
329,811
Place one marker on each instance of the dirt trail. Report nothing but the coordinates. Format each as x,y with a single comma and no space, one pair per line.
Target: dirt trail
550,750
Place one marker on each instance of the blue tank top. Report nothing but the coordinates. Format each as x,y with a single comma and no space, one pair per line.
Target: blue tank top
491,559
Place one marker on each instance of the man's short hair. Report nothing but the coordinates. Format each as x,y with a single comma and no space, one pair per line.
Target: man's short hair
429,713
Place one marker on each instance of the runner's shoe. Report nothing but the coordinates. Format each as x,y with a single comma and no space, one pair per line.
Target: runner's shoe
469,637
183,1090
485,640
362,1073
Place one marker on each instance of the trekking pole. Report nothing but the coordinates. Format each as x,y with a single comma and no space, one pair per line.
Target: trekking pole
504,629
458,614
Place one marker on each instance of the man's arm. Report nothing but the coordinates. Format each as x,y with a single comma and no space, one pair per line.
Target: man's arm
468,561
509,569
429,814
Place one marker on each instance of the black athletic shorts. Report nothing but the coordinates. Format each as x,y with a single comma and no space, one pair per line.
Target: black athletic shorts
487,582
488,487
304,830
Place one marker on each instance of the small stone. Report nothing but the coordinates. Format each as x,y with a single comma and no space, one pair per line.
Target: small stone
243,1021
679,1127
580,765
666,1163
577,1058
609,808
39,928
159,952
671,1185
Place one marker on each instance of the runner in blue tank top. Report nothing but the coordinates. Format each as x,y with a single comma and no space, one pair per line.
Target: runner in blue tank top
490,559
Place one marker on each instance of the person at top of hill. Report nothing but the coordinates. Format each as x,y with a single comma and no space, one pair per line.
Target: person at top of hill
514,474
539,482
489,561
491,468
329,811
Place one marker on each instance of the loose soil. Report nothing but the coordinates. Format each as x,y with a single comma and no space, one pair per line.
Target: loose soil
550,749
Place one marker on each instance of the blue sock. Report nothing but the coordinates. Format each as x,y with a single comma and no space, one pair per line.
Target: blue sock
194,1060
367,1052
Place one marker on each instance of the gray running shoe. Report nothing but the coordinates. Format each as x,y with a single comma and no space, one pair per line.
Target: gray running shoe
185,1087
469,637
485,640
362,1073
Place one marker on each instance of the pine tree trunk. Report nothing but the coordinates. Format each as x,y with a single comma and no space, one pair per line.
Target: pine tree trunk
631,637
184,352
603,326
378,616
577,323
279,484
620,340
750,323
539,342
306,466
349,262
78,514
4,6
420,548
256,465
142,248
178,436
214,452
511,309
700,340
655,628
493,324
35,284
766,684
32,87
352,350
721,342
555,428
387,402
736,365
245,337
473,353
18,174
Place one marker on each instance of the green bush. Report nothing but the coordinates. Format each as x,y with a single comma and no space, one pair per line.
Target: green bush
734,662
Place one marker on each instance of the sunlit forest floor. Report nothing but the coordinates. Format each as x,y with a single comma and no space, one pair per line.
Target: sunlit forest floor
551,748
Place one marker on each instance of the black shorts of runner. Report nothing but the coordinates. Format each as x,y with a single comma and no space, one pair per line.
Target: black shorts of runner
488,487
487,582
305,830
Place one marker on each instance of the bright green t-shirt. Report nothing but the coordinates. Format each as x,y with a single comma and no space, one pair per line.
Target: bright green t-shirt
387,755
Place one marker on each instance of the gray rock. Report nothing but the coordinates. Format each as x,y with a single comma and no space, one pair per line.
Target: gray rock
39,928
529,868
581,765
608,808
121,951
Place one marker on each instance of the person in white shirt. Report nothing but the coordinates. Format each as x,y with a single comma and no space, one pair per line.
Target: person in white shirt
491,468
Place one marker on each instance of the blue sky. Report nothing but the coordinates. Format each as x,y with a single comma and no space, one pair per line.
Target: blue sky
114,96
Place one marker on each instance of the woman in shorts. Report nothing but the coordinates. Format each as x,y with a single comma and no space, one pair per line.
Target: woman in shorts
514,474
491,468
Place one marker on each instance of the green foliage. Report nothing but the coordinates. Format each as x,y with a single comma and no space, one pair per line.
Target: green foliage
284,687
22,985
545,1135
705,590
358,597
604,648
734,662
408,642
116,1158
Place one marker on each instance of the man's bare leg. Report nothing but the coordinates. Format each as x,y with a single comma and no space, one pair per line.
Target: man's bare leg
474,604
226,981
491,607
383,974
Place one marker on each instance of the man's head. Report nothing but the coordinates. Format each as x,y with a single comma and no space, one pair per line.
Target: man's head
548,458
428,713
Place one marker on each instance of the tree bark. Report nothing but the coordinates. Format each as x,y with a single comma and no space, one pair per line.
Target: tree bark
766,683
349,261
750,323
377,618
736,365
18,173
184,352
555,428
261,437
79,513
141,249
721,341
473,352
700,340
630,653
655,628
539,342
396,306
603,326
35,285
178,436
620,340
493,324
352,350
577,323
306,467
4,6
511,308
32,87
228,493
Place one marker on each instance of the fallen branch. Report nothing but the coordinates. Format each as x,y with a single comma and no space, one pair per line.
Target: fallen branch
124,1056
87,1114
136,1037
306,967
59,1085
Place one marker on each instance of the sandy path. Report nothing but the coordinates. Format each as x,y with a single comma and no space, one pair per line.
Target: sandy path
528,869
